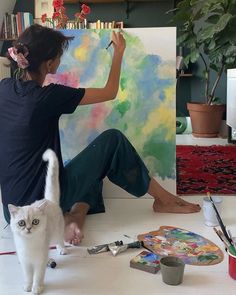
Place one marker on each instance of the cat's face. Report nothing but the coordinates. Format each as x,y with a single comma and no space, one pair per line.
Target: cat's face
27,220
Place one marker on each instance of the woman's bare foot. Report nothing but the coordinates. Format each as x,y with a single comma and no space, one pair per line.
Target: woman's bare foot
74,221
175,206
166,202
73,234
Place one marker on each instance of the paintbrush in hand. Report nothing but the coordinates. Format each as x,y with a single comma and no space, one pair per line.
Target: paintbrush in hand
109,44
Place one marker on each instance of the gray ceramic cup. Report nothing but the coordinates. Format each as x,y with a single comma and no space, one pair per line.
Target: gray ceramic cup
172,270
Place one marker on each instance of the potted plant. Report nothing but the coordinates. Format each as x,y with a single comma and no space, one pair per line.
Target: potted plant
207,30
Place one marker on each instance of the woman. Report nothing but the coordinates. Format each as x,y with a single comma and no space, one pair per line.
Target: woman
29,125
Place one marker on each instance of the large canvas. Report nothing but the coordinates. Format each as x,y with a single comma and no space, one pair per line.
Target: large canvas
144,109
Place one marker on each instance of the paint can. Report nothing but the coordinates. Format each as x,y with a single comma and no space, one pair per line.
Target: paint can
232,265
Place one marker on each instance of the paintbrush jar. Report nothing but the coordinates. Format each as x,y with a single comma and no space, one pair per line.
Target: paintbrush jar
232,266
209,213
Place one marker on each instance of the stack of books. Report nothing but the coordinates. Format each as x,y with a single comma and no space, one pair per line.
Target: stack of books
14,24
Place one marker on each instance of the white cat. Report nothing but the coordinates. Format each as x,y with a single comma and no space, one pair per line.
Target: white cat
35,226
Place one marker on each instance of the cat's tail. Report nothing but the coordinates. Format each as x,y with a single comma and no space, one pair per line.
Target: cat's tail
52,187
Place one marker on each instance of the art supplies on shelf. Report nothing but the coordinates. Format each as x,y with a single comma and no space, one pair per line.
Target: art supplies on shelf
73,24
146,261
70,24
105,25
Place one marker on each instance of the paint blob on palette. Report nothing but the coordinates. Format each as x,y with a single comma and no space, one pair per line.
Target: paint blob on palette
190,247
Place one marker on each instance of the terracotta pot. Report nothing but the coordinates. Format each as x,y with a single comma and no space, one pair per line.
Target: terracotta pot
205,119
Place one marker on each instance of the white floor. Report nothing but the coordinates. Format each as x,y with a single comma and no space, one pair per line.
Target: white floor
102,274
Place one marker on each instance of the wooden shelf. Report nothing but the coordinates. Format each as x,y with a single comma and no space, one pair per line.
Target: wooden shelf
91,1
110,1
186,75
2,39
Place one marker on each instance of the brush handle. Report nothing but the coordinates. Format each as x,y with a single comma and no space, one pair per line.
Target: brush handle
220,220
109,44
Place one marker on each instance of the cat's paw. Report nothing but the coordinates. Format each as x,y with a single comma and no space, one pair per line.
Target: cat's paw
37,289
27,287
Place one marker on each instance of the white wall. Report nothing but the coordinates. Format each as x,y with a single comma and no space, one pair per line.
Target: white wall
5,6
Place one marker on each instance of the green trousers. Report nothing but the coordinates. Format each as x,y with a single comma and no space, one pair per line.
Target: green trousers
111,155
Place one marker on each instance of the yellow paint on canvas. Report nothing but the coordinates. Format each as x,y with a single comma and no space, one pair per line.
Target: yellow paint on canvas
122,95
81,53
164,113
166,70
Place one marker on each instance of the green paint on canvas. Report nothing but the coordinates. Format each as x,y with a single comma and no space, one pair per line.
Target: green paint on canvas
155,151
123,107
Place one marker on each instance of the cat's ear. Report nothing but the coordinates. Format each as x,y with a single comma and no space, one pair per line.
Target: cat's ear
42,205
13,209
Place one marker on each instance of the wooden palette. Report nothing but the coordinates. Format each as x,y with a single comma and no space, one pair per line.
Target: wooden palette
190,247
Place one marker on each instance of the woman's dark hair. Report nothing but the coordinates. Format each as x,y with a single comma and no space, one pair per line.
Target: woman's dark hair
41,43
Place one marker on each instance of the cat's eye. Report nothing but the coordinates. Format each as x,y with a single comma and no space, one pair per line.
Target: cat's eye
21,223
35,222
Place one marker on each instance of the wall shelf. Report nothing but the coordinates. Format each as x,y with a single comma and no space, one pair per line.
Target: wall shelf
110,1
186,75
3,39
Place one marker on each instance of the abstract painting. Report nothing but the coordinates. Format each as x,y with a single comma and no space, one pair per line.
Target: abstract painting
144,109
188,246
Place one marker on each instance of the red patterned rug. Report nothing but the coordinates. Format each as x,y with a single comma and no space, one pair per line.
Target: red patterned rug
206,168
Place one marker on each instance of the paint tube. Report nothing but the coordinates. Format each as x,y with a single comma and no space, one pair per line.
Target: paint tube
103,248
116,249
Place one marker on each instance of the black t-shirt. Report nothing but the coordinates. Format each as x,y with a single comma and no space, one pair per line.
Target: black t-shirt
29,116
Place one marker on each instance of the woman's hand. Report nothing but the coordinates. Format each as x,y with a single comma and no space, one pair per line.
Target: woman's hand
119,43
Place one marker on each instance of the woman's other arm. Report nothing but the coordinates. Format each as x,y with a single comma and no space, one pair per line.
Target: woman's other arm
109,92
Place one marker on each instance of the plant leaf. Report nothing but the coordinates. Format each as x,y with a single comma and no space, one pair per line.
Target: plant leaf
194,55
187,60
213,19
212,45
206,33
214,67
231,51
183,37
211,30
223,21
230,60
